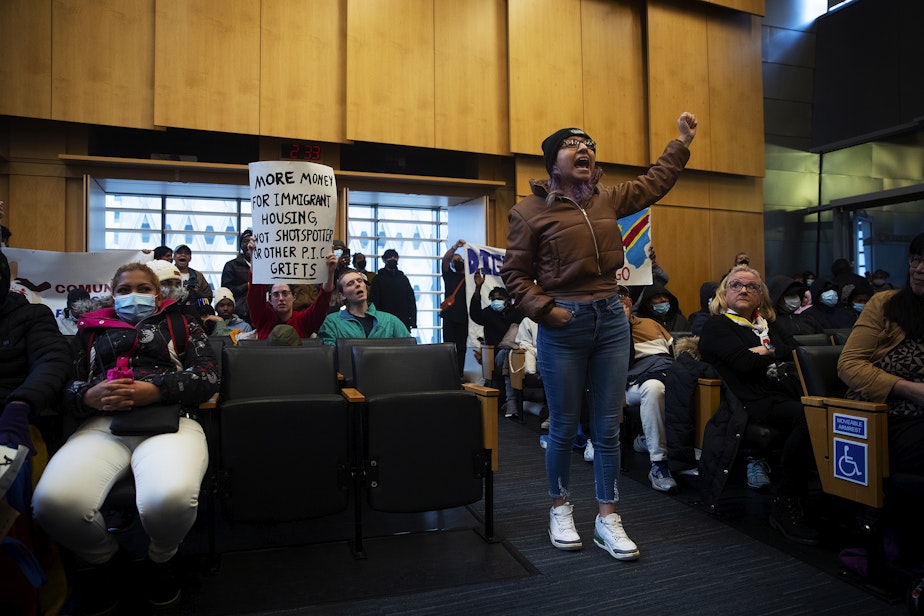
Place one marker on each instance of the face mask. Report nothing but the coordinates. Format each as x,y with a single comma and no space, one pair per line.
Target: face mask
392,265
497,305
858,307
809,281
792,302
661,308
338,253
878,282
360,265
829,298
134,307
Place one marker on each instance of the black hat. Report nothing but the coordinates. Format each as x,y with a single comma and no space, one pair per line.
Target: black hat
244,237
552,143
391,252
75,295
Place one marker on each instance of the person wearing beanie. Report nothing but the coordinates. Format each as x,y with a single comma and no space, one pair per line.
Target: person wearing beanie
236,273
564,248
392,292
284,335
34,367
224,318
67,322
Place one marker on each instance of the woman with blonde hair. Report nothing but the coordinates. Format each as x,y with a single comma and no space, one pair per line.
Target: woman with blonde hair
738,342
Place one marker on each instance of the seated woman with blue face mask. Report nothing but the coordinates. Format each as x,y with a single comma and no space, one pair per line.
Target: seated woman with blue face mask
136,351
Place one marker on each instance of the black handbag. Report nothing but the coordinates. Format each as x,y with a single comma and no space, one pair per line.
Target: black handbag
146,420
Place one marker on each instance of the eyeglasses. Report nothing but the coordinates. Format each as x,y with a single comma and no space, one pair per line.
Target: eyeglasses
915,260
280,294
576,143
736,286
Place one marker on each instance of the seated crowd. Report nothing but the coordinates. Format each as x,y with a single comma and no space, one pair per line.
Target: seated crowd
147,346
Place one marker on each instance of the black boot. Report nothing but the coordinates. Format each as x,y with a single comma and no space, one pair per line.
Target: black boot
162,584
787,516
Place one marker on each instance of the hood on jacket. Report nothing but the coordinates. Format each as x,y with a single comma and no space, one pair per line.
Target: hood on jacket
820,286
706,293
781,286
656,288
688,345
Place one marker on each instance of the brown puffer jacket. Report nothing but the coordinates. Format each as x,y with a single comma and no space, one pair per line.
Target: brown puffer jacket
563,251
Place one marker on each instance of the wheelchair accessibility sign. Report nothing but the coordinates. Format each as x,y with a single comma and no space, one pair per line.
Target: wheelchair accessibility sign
850,461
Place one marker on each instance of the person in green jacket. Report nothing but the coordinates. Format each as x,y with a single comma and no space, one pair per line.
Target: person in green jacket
359,318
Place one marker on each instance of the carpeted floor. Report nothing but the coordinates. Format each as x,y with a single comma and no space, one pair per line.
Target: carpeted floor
691,562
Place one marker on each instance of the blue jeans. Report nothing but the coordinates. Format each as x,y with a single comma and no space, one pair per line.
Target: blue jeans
589,355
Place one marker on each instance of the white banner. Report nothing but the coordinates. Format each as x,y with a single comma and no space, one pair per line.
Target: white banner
294,207
46,277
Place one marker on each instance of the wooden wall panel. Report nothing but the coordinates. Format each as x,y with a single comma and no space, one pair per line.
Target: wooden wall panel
25,49
736,103
37,209
470,80
303,69
544,60
614,92
731,233
678,78
207,65
103,68
736,193
390,97
755,7
680,237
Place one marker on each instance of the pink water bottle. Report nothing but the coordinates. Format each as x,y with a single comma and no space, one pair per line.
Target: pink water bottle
121,371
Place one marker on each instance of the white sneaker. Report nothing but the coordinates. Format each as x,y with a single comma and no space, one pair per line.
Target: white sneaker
610,535
640,444
545,424
562,532
589,451
11,460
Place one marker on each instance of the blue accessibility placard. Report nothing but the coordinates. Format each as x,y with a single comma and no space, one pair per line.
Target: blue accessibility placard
850,425
850,461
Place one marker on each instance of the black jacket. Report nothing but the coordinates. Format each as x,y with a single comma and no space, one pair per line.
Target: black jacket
35,359
495,323
680,416
788,324
392,292
234,276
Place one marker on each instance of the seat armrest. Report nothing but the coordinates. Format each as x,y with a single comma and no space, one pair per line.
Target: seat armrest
210,403
352,395
857,405
487,396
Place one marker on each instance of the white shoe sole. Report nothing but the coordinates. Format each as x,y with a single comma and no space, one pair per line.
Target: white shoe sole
617,555
567,546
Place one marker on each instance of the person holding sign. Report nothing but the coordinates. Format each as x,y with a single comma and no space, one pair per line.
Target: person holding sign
279,310
563,249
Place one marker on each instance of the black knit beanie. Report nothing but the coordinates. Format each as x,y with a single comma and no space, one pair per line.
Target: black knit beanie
552,143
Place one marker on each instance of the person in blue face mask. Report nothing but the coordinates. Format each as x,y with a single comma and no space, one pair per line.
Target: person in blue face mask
659,304
827,309
496,318
137,351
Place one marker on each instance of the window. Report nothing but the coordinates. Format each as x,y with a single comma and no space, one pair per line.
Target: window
415,226
136,222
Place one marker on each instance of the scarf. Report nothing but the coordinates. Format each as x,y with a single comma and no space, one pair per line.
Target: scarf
759,326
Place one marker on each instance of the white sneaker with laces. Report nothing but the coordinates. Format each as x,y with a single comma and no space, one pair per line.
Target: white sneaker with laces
11,460
610,535
562,532
589,451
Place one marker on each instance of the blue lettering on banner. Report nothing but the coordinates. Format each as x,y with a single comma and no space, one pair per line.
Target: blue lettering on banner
850,461
850,425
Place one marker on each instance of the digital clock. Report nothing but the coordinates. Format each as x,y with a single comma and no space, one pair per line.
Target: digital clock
300,150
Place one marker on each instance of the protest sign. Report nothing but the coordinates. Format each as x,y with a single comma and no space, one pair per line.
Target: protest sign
294,208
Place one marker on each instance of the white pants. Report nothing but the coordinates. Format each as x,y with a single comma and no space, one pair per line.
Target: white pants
168,471
650,398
